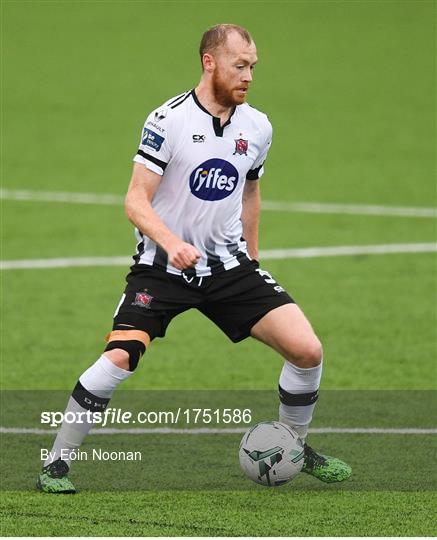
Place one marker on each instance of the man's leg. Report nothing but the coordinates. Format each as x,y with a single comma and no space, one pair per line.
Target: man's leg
92,392
288,332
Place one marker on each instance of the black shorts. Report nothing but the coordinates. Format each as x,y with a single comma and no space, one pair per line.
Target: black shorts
234,299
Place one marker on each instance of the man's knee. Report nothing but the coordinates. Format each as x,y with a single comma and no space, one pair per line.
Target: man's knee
126,347
307,354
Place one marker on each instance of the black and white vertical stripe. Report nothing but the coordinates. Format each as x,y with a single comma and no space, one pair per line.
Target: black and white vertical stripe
216,260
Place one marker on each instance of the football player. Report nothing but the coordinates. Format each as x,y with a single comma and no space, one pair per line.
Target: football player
194,199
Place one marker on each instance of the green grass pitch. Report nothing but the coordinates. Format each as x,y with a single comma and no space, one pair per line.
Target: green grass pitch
349,87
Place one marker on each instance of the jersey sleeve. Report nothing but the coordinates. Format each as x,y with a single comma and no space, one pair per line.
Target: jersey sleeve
257,169
155,149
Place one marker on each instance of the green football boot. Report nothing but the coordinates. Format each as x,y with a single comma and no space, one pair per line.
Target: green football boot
54,479
325,468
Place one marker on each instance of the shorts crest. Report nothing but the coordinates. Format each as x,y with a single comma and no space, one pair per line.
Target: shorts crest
142,299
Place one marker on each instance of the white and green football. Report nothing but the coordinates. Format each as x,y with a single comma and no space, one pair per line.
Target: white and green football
271,453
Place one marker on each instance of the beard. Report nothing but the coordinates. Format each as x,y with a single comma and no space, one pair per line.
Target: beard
223,93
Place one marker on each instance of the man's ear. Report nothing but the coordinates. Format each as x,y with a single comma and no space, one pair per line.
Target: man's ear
208,62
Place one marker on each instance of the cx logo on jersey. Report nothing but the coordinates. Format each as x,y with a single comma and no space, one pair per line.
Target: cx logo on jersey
213,180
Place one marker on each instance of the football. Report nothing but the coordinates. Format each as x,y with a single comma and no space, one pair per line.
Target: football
271,453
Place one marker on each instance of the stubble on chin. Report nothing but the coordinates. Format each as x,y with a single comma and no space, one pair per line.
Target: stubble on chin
223,95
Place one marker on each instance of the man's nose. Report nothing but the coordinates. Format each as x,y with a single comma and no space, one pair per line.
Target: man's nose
247,75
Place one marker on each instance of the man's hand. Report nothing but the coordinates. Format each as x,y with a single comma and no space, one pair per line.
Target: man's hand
182,255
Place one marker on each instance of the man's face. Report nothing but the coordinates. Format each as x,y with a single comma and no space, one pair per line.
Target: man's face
232,74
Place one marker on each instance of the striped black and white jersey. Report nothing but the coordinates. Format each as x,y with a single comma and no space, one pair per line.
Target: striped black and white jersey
204,167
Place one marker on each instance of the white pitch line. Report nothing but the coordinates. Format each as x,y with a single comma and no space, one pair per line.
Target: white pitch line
292,253
275,206
68,262
60,197
223,431
338,251
355,209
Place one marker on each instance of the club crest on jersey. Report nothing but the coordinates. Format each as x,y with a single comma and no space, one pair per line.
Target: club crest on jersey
241,147
142,299
213,180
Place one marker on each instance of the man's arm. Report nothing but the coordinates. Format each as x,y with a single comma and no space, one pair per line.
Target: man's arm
250,216
139,211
